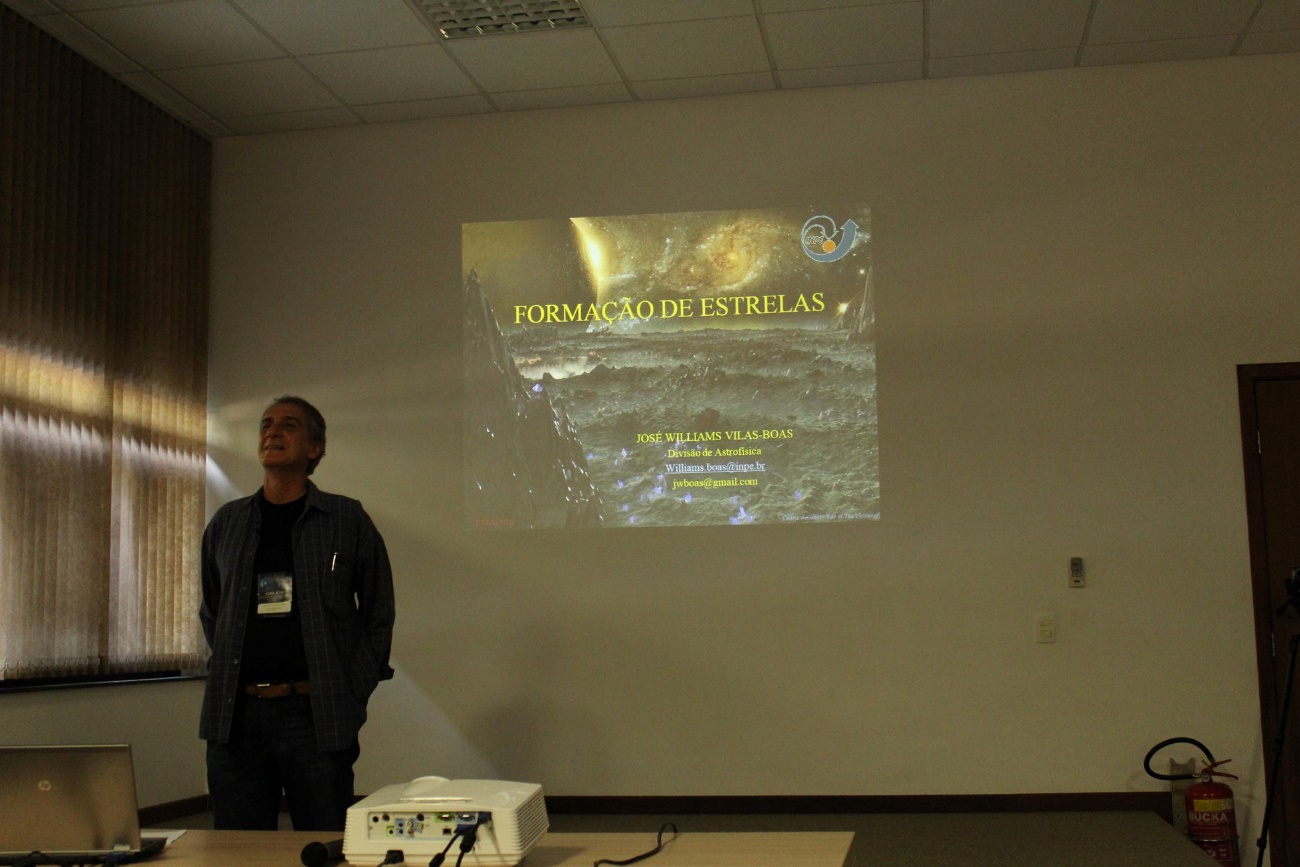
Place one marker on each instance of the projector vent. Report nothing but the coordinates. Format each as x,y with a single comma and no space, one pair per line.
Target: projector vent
532,821
456,19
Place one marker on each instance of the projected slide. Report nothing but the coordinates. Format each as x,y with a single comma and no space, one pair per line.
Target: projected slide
691,369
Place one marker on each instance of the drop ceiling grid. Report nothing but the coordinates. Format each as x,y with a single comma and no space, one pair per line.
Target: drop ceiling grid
240,66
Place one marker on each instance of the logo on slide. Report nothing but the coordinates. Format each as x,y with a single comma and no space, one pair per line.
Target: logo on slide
819,240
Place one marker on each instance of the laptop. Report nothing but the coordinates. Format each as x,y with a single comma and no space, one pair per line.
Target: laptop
70,804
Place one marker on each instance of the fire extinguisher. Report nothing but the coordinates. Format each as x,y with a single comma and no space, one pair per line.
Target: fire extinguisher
1211,816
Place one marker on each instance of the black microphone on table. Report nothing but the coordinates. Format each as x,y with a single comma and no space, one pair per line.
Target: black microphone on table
320,854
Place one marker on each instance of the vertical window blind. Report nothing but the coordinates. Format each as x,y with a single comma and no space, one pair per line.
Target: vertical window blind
103,370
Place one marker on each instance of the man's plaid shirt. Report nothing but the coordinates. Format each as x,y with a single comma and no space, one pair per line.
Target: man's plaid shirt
344,585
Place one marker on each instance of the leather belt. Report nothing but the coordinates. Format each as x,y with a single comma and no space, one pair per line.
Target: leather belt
276,690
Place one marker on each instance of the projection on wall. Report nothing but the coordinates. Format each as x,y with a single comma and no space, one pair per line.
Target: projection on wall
662,370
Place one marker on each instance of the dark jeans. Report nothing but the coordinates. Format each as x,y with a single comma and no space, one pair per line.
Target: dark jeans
273,748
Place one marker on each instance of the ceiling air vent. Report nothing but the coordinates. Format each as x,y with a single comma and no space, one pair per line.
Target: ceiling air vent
456,19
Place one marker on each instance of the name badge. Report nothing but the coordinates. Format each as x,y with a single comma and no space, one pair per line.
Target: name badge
274,594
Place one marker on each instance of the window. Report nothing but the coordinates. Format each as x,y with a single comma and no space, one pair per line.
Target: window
103,371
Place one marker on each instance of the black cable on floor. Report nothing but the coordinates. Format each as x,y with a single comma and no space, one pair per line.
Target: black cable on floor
659,845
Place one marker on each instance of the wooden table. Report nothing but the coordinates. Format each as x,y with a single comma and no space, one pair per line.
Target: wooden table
717,849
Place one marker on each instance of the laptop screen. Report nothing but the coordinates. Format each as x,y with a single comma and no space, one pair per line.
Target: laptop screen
67,799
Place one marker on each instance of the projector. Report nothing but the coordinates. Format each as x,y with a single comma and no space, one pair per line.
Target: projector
422,817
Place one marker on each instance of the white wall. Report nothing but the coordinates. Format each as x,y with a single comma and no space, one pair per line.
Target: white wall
1069,265
159,720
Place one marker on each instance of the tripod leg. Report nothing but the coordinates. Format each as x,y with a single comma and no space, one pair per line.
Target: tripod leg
1278,741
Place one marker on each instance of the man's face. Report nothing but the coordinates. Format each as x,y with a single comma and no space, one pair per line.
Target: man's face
285,439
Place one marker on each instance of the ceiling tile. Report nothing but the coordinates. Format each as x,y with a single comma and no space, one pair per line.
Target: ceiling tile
808,5
562,97
621,13
994,64
1277,15
1139,20
714,85
964,27
324,26
79,5
390,74
1146,52
316,119
162,95
260,87
688,49
189,33
834,76
856,36
1271,43
32,8
211,128
76,36
422,108
533,61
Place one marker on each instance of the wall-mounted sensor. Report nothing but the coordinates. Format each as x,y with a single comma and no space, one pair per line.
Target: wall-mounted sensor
1076,573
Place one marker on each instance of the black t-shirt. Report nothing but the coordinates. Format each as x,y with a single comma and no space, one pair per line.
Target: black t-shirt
273,649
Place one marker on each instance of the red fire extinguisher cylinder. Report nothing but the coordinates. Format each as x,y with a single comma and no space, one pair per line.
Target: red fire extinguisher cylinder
1212,820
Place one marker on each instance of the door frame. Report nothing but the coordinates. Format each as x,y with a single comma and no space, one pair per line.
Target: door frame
1248,375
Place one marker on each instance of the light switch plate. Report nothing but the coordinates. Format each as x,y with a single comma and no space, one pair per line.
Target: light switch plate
1045,628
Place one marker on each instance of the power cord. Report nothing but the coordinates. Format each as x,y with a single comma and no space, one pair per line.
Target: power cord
468,833
659,845
436,860
467,842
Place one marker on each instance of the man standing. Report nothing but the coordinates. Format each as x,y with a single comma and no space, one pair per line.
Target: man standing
298,613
